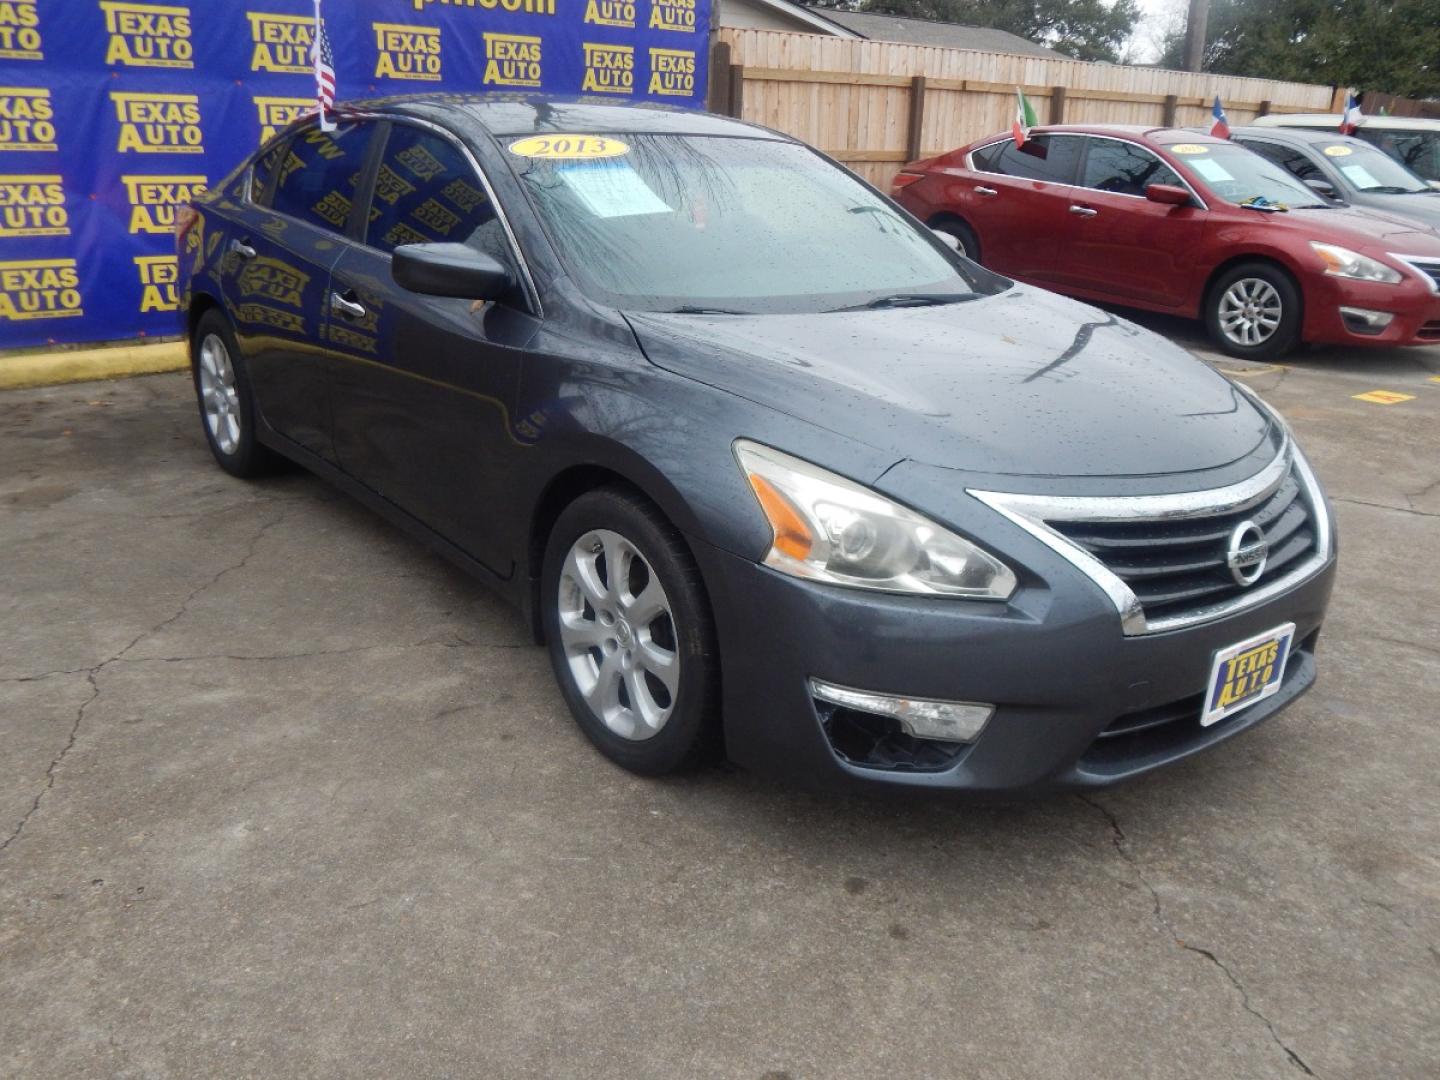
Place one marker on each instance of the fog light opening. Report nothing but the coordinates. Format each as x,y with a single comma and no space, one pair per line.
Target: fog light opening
885,731
1365,321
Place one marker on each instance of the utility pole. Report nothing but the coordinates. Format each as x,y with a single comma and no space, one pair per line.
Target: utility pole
1195,34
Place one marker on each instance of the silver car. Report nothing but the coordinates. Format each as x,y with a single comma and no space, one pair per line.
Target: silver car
1345,170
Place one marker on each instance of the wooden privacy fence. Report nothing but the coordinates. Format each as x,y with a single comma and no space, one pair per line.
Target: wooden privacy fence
878,104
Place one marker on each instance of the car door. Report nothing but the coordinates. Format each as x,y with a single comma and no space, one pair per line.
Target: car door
1017,201
276,270
1116,241
424,385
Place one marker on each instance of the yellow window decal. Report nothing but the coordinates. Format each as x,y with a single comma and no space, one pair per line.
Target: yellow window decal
1338,151
568,147
1189,148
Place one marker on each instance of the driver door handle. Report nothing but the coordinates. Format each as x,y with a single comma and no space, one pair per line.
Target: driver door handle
242,248
348,308
1083,211
988,192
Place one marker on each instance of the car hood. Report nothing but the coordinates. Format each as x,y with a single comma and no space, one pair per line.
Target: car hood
1423,208
1023,382
1366,229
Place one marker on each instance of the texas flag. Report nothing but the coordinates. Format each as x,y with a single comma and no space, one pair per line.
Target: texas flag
1350,121
1221,126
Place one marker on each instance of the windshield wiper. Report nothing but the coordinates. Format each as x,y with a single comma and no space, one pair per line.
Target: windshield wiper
693,309
1394,189
899,300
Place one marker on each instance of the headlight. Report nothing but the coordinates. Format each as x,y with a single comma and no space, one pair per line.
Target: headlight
1342,262
827,528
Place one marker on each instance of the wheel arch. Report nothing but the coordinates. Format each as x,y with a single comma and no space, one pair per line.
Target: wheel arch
1266,258
200,304
602,464
943,217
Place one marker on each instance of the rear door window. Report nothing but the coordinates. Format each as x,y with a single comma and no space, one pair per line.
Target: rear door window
427,192
1296,162
1052,158
320,174
1123,168
264,172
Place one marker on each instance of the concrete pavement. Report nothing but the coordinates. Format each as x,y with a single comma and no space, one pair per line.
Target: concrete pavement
283,796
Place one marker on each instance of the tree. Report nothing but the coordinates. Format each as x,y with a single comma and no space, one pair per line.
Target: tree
1084,29
1387,45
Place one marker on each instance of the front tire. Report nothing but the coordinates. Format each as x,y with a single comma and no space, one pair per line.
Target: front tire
1253,312
630,634
227,407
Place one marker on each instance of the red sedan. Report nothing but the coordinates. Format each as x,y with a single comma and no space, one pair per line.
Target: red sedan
1187,224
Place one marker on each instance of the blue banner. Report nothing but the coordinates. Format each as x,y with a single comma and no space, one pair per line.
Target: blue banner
113,113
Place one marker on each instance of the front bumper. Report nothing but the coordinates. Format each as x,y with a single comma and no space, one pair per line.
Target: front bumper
1414,305
1053,661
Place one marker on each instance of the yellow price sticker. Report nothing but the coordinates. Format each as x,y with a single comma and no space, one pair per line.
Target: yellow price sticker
1338,151
568,147
1189,148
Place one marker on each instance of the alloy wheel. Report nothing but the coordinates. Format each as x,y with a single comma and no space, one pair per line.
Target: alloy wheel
1250,312
218,394
618,632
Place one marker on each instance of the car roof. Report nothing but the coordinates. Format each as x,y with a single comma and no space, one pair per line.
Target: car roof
1332,120
1163,136
1307,136
531,114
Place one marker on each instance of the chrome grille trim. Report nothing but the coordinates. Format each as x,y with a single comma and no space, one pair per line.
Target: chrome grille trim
1034,512
1428,267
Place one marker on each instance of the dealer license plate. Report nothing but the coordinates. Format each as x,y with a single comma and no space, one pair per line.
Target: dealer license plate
1246,673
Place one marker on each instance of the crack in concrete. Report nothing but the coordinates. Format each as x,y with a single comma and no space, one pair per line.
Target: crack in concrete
1118,841
243,658
93,674
1411,496
55,763
1382,506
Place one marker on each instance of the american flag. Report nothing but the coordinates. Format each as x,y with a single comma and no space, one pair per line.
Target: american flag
324,59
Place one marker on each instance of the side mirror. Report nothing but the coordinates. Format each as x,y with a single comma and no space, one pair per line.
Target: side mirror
1168,194
949,240
450,270
1324,187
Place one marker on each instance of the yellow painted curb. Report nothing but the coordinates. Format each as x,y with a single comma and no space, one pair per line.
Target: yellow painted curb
87,365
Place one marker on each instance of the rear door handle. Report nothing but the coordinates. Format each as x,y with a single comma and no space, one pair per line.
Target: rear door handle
988,192
242,248
348,308
1083,211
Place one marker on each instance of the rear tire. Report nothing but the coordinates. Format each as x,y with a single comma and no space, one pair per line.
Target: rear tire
630,634
227,407
1253,312
963,234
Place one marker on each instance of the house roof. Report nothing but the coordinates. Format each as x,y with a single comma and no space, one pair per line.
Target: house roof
938,34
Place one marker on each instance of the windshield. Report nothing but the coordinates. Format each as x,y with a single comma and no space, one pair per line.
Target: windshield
1418,151
1240,176
1367,169
728,225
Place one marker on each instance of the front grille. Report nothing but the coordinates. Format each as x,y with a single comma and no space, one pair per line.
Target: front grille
1430,331
1431,270
1175,566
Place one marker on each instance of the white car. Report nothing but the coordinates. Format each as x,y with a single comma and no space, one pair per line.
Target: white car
1410,140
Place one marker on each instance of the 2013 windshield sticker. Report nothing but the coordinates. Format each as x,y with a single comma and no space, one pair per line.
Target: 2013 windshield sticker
1189,148
1338,151
568,147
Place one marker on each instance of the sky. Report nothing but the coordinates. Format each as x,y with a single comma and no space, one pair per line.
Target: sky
1157,15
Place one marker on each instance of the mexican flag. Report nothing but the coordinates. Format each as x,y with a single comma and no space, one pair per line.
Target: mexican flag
1024,118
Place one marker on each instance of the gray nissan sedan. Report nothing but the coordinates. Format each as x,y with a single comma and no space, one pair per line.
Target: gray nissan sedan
770,469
